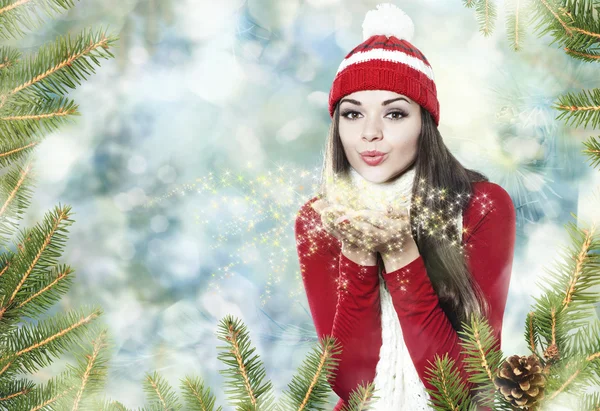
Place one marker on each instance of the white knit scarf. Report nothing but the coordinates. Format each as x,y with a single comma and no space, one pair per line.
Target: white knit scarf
397,383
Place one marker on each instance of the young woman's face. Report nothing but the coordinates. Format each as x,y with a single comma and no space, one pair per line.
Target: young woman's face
383,121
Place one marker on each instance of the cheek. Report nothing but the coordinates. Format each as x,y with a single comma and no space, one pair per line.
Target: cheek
404,147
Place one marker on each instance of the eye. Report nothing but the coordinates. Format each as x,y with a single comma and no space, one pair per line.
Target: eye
399,113
345,114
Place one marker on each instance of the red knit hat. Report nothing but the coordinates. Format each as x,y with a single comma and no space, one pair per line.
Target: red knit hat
386,60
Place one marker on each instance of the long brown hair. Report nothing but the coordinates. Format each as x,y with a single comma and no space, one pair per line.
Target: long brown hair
459,295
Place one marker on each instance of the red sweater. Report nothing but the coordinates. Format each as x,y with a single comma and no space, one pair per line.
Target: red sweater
354,318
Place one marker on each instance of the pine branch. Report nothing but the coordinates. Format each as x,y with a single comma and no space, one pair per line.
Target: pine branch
361,398
245,374
17,14
515,24
42,396
19,123
572,377
109,405
468,3
161,394
532,333
9,57
28,347
581,108
55,67
572,25
485,12
593,150
13,391
13,151
565,304
310,385
89,374
44,245
588,242
197,396
589,402
482,359
585,341
548,18
589,56
584,26
451,393
15,197
46,292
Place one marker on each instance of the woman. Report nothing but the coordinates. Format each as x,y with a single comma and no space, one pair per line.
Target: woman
391,265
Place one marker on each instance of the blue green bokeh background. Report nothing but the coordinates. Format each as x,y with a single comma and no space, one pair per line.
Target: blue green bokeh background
199,141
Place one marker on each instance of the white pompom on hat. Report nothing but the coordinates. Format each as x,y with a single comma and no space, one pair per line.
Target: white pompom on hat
387,60
388,20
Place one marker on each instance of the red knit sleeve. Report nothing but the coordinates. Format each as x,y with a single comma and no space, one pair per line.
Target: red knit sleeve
489,223
343,297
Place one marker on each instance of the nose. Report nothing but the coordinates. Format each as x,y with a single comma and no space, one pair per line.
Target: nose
372,130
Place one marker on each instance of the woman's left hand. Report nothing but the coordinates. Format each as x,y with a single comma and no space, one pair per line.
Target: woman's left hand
385,232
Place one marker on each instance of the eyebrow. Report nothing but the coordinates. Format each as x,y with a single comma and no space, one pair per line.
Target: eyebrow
385,103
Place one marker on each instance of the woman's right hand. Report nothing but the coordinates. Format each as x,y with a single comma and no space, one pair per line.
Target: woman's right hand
353,247
329,214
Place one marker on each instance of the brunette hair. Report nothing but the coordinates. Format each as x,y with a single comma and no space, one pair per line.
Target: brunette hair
459,295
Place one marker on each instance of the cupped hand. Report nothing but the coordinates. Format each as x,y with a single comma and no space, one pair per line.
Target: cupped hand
383,232
366,230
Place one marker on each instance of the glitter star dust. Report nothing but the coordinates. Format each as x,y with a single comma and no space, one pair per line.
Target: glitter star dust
251,221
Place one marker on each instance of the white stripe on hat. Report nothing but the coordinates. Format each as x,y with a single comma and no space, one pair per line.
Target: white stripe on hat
389,55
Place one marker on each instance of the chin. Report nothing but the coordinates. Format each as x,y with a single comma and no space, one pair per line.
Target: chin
375,176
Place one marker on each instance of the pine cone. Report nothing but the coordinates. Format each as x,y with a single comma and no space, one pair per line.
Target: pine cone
521,380
551,353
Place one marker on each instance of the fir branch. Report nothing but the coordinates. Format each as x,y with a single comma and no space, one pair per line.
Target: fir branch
108,405
46,292
47,240
468,3
12,390
586,340
482,359
515,26
485,11
28,347
593,150
9,57
57,65
589,402
548,17
580,260
24,121
585,27
361,398
553,325
161,393
15,197
197,396
581,108
310,385
43,396
245,374
574,377
587,55
11,152
451,392
565,304
17,14
89,373
531,333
